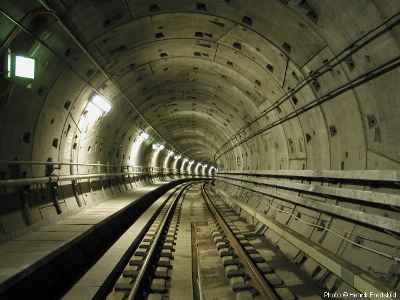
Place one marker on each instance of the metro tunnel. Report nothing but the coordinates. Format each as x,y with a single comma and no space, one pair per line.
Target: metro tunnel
199,150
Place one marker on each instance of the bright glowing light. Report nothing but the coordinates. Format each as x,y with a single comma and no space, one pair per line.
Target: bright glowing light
96,108
210,171
101,103
167,159
158,147
9,65
136,145
93,112
178,156
24,67
142,137
90,116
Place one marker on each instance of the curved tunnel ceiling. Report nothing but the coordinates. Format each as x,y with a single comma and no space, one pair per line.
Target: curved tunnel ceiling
199,71
189,63
296,102
213,56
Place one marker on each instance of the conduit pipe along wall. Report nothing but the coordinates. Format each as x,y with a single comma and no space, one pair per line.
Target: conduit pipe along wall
243,86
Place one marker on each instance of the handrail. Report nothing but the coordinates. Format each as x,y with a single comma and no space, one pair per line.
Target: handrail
59,163
55,178
367,218
58,178
130,170
355,175
44,163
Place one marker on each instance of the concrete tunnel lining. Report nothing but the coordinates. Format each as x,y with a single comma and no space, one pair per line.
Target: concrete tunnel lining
203,79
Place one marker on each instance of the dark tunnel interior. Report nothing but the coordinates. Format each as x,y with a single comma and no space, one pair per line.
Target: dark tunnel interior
284,112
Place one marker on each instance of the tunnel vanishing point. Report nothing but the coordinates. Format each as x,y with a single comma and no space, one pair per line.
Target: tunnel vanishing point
199,149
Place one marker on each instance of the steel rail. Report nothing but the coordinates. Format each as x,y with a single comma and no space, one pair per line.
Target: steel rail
324,228
137,288
196,283
260,283
353,275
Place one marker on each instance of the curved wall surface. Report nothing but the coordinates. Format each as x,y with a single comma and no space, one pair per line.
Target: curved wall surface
241,86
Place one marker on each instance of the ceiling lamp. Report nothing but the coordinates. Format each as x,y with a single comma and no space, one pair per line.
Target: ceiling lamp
20,66
158,147
101,103
142,136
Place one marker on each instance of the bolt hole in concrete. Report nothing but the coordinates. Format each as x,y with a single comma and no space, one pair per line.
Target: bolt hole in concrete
289,107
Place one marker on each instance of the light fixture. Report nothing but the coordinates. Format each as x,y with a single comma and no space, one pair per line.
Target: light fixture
97,107
93,112
24,67
158,147
9,64
101,103
20,66
142,137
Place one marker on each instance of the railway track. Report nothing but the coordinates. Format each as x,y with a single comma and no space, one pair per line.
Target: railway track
146,275
249,274
225,263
